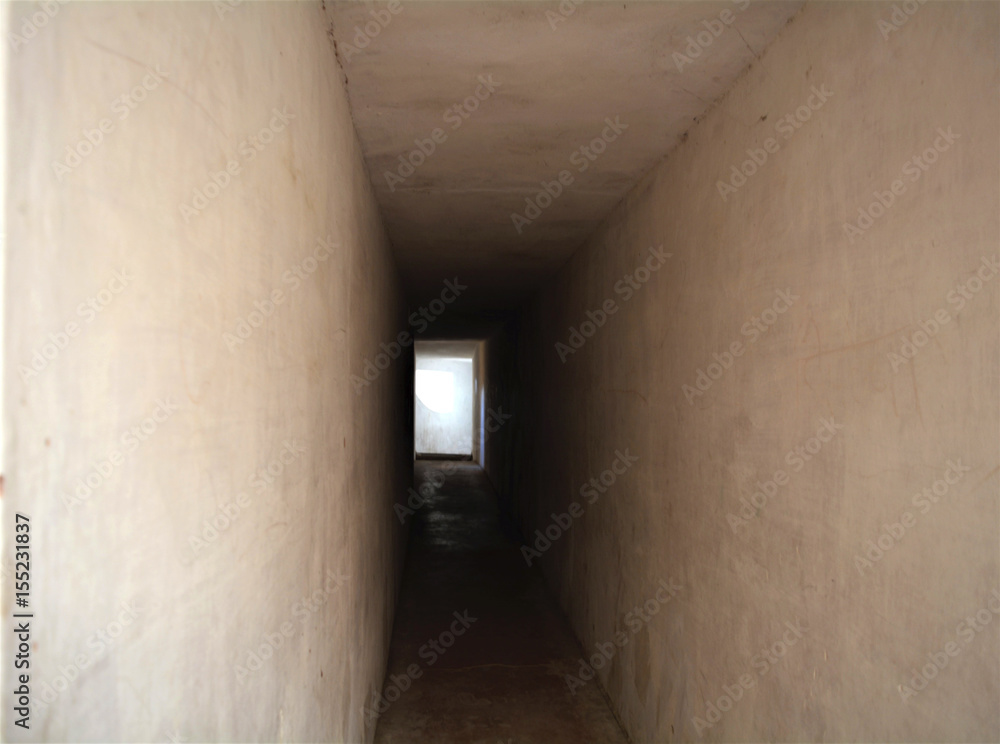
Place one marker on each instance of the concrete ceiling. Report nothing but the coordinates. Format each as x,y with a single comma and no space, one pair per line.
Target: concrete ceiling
558,72
446,349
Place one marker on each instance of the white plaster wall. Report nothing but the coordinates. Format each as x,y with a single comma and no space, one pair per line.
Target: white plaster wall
193,613
447,433
826,357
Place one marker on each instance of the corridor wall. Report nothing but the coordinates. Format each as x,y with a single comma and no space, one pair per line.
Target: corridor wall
196,274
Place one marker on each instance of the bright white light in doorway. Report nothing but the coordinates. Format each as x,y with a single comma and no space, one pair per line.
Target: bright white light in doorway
436,390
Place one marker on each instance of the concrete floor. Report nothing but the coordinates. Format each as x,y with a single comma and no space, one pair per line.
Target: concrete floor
503,678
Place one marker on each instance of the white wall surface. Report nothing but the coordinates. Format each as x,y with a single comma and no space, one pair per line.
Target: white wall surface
242,488
446,432
860,300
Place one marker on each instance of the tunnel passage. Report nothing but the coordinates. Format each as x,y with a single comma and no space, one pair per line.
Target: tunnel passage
689,235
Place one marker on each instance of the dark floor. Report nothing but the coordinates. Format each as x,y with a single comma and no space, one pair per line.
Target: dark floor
503,679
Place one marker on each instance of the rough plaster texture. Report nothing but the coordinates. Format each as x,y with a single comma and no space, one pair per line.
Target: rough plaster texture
825,357
194,612
556,81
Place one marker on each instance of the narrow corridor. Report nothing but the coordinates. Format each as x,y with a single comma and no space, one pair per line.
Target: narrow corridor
503,677
704,294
